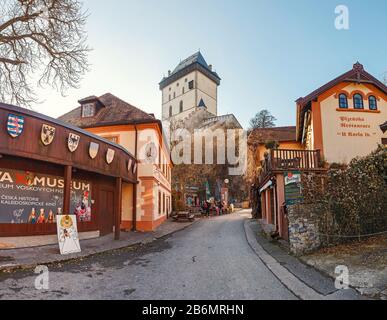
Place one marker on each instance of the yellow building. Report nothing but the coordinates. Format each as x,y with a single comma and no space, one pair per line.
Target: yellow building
335,123
147,205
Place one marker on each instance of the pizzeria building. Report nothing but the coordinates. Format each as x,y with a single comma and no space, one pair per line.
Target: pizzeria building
49,167
343,119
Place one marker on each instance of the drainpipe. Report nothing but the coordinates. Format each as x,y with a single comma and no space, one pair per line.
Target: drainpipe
134,227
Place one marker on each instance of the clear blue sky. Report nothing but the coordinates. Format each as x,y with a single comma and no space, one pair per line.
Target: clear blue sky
267,52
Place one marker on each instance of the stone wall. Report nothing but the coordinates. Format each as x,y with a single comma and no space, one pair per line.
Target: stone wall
303,230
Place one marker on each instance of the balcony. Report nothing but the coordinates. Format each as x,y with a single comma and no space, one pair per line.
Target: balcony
280,160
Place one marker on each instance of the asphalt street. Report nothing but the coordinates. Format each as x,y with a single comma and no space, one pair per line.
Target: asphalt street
209,260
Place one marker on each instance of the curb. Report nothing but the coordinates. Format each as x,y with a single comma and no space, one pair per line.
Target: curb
9,269
289,280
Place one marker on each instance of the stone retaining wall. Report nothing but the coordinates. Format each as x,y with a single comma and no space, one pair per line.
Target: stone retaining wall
303,230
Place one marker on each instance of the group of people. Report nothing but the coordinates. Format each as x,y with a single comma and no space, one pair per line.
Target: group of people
216,207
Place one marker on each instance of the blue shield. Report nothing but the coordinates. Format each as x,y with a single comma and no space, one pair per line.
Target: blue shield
15,125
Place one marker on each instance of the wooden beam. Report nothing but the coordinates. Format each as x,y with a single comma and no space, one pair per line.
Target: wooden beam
117,208
67,189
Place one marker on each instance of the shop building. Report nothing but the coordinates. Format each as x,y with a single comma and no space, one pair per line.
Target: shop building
48,167
335,123
142,135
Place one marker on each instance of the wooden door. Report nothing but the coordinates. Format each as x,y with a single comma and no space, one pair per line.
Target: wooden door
106,211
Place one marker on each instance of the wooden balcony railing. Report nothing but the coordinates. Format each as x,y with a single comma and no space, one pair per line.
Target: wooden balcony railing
284,160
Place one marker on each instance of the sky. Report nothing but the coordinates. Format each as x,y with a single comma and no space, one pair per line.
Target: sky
267,52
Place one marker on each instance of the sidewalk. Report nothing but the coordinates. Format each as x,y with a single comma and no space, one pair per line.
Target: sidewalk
31,257
366,262
304,281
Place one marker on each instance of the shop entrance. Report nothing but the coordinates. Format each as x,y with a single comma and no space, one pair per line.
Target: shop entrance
106,211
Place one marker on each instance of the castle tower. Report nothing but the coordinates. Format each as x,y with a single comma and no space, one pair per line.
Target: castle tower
191,85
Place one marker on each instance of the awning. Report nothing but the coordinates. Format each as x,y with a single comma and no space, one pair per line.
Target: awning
267,185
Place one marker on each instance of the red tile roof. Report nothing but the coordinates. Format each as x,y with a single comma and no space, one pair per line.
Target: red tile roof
279,134
112,111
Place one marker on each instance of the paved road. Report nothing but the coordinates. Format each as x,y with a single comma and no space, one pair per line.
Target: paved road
209,260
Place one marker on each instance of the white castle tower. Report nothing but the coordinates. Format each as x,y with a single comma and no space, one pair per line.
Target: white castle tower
191,85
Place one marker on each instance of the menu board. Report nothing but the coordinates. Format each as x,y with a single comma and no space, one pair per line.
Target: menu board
292,187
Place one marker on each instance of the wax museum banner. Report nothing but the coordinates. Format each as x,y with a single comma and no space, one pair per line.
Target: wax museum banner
292,187
27,197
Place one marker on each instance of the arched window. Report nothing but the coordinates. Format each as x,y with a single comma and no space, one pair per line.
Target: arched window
170,111
181,106
343,101
373,105
358,101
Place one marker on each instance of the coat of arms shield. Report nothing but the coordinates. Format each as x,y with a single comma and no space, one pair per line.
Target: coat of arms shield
15,125
110,156
93,150
73,141
47,135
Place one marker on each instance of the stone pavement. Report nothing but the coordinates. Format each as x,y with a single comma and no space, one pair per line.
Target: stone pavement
11,259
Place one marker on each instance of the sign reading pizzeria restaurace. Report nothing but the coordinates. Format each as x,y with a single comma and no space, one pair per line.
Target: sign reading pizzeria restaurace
33,198
292,187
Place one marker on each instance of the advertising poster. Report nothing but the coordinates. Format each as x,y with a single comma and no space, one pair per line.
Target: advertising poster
27,197
68,234
292,187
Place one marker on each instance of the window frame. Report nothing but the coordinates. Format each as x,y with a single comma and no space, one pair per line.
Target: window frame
88,107
341,96
354,101
372,97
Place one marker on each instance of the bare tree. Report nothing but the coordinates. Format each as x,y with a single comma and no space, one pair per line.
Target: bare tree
41,40
262,119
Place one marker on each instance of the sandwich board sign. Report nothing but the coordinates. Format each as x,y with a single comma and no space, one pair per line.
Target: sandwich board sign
68,234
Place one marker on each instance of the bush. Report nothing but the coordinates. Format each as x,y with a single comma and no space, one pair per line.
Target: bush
351,201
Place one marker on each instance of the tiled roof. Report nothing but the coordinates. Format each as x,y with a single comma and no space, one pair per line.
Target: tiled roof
356,74
113,111
279,134
202,104
195,58
193,62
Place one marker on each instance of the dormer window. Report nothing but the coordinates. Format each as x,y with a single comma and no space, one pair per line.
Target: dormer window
88,110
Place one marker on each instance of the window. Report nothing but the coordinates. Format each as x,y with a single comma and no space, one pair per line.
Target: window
358,101
163,202
372,103
183,90
343,101
159,202
170,111
186,80
174,95
191,85
169,97
181,106
384,141
170,88
88,110
177,84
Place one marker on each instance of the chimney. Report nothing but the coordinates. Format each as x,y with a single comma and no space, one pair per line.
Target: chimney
169,73
210,67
